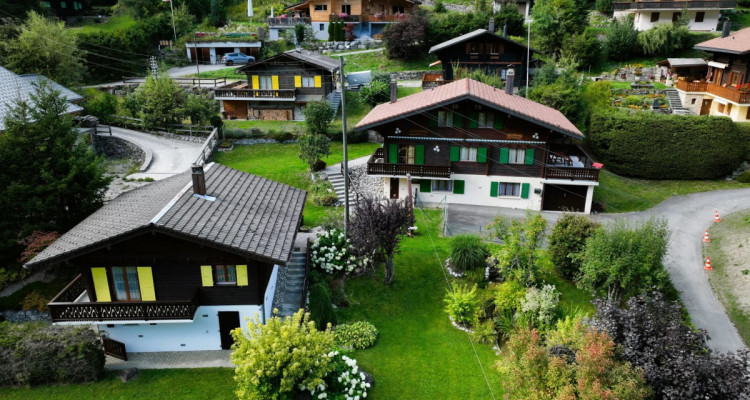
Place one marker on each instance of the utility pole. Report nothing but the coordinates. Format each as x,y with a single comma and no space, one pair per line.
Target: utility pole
171,5
195,47
528,55
346,153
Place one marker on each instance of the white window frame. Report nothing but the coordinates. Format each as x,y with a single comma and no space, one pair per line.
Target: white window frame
468,154
442,186
509,189
320,7
485,119
265,82
516,156
308,81
445,118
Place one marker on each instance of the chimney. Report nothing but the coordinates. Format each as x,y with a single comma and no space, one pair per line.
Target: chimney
505,30
492,25
394,91
199,180
509,75
726,28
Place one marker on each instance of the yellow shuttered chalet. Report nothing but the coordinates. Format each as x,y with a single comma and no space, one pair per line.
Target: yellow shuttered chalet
241,275
318,81
256,82
101,284
297,81
275,82
146,282
206,275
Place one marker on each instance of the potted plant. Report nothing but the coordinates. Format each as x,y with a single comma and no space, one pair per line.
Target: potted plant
743,87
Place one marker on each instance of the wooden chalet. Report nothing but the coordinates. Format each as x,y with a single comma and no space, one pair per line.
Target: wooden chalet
179,263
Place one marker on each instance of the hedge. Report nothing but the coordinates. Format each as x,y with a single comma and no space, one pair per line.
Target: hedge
650,146
37,353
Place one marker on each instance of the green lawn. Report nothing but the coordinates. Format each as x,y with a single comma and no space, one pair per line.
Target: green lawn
731,235
279,162
378,62
626,85
229,73
292,126
184,384
619,194
114,24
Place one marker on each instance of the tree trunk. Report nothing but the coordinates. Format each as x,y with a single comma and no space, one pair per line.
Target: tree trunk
389,270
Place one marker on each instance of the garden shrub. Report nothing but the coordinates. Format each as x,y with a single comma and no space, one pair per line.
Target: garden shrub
484,332
508,296
280,136
650,146
99,104
378,76
468,252
461,303
322,194
319,165
333,254
321,309
605,7
36,354
744,178
34,301
744,129
375,93
621,40
333,219
540,306
312,148
664,39
358,335
406,40
567,241
339,297
439,7
521,256
346,381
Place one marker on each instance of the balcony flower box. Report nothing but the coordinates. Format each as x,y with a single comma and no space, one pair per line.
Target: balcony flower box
343,15
743,87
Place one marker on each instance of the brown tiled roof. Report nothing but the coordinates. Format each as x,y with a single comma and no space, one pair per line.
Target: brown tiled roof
469,89
736,43
250,216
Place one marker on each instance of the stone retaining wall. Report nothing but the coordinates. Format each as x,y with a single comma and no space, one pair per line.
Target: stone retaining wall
25,316
330,47
115,147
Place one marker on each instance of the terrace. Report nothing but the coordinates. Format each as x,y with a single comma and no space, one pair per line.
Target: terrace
287,21
727,92
376,165
241,91
569,162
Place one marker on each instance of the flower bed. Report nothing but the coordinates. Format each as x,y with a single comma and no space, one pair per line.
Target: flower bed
334,254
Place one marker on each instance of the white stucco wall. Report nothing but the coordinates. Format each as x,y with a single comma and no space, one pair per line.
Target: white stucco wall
737,114
643,19
270,291
320,34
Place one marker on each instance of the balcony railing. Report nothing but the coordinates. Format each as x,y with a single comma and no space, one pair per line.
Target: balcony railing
64,308
686,86
230,93
433,79
377,166
572,173
348,18
729,93
386,17
675,5
276,21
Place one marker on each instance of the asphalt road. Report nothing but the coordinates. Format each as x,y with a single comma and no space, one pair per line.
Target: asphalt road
687,216
170,156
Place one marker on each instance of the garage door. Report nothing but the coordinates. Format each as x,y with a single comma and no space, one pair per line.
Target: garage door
235,109
564,198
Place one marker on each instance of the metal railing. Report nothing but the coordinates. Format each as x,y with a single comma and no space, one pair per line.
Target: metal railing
208,148
195,82
676,5
306,281
255,93
572,173
287,21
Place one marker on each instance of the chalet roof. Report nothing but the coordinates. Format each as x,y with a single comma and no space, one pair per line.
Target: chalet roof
472,35
736,43
684,62
21,87
250,216
304,2
305,56
469,89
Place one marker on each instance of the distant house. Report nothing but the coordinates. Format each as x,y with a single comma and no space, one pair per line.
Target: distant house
703,15
208,47
15,88
481,49
524,6
174,267
367,18
466,142
278,88
65,9
721,87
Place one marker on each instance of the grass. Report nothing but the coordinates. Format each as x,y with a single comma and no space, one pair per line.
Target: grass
47,290
620,194
114,24
228,73
185,384
378,62
278,125
730,225
280,162
626,85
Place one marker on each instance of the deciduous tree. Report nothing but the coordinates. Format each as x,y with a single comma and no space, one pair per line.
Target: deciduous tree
162,102
567,241
406,40
555,20
313,147
520,257
318,116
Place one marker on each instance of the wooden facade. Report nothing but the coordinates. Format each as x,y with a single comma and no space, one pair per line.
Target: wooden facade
356,10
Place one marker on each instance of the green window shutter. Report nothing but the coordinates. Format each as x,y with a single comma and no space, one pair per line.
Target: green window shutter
493,189
473,117
392,153
498,121
457,120
455,153
458,187
433,120
504,155
525,190
482,155
419,154
425,186
529,157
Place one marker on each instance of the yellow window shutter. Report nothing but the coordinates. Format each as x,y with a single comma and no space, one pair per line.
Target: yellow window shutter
207,275
241,275
146,281
297,81
275,82
318,81
256,82
101,285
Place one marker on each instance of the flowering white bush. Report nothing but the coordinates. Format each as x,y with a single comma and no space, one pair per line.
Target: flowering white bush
346,382
334,254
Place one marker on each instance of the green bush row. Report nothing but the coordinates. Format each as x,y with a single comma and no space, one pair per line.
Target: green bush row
650,146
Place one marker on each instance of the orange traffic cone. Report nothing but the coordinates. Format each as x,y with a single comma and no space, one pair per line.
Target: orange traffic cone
716,216
708,267
706,238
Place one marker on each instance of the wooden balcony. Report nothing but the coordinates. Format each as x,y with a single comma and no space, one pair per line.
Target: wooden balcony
276,21
687,86
729,93
572,173
386,17
240,91
67,307
348,18
675,5
377,166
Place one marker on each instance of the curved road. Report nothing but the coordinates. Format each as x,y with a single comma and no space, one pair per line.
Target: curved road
170,156
688,216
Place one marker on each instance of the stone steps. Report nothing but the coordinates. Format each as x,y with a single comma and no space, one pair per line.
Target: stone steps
337,180
295,278
675,103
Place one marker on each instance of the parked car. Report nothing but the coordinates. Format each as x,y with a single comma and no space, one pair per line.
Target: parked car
355,80
236,58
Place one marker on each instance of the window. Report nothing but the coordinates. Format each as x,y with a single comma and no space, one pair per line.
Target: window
125,281
502,74
748,113
509,189
398,9
729,108
225,274
265,82
654,16
699,16
445,118
322,27
346,9
63,5
721,108
676,16
468,154
516,156
308,81
693,101
485,120
406,154
321,7
442,186
493,48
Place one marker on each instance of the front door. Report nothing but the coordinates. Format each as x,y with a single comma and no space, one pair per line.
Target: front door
706,106
228,320
394,188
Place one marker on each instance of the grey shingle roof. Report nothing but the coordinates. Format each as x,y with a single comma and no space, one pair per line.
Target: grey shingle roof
472,35
20,87
687,62
250,216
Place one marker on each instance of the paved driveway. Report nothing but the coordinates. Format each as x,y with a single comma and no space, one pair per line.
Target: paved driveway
170,156
687,216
